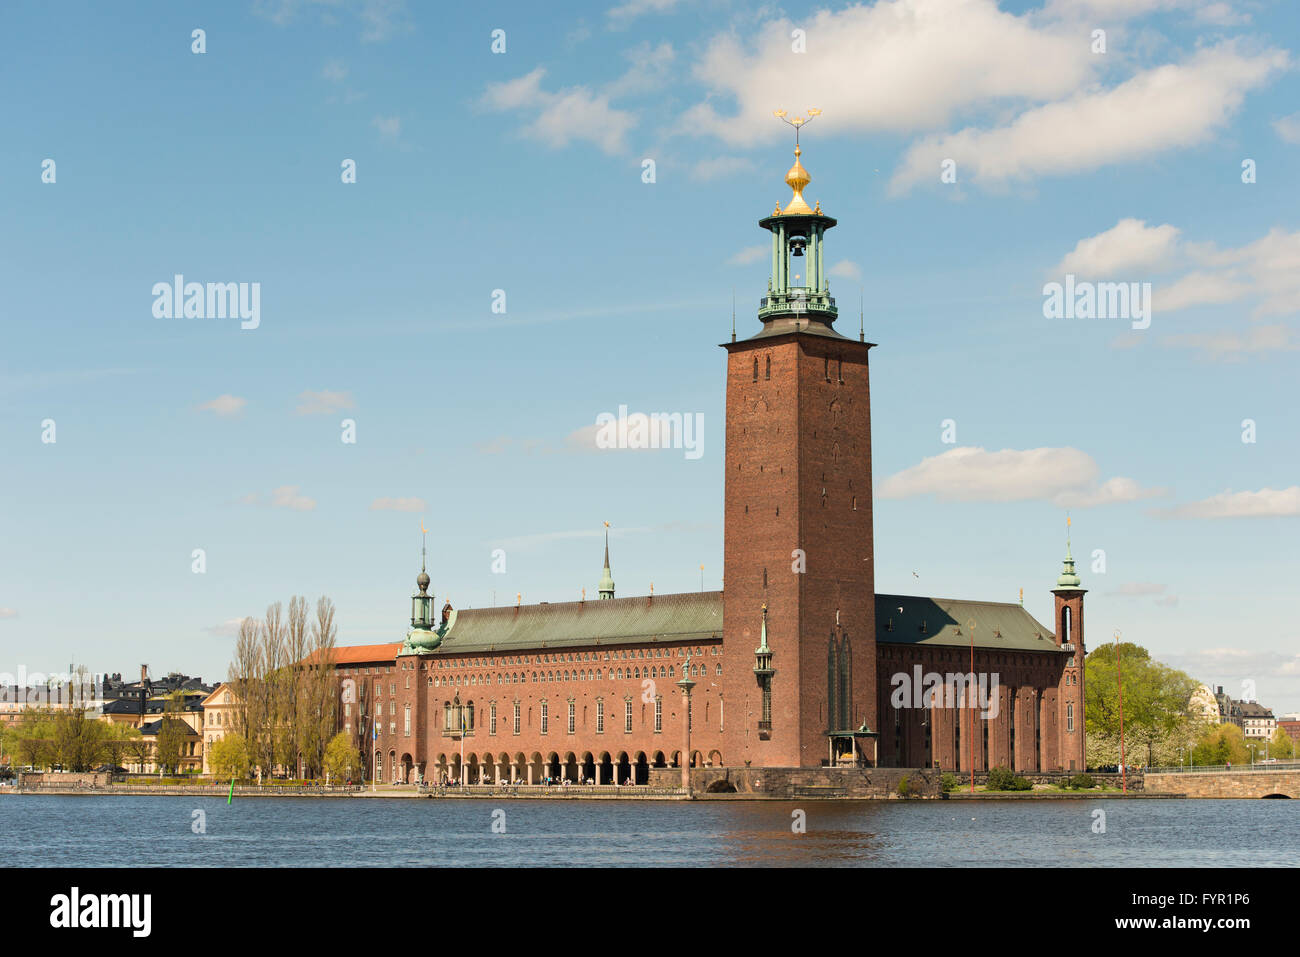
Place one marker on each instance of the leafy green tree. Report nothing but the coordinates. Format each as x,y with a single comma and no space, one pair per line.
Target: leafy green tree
1158,717
342,760
1219,745
33,738
79,739
118,743
228,757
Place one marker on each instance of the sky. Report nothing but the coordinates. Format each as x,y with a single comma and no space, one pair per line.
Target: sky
552,211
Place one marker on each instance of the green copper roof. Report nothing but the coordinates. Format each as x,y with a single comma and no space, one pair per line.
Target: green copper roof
697,616
606,586
912,620
692,616
1068,579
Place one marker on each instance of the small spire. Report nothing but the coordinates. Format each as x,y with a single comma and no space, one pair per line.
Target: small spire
862,336
1068,578
762,635
733,315
606,586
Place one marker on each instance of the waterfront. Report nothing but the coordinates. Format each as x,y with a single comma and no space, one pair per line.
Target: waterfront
70,831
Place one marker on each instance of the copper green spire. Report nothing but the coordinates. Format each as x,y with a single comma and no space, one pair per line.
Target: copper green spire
1068,578
606,586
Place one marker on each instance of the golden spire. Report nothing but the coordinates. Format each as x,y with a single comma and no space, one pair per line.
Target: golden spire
797,178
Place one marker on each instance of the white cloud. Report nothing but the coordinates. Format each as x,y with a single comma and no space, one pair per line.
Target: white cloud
287,496
623,14
1288,128
1266,270
224,405
388,126
1266,503
573,113
1110,492
227,629
323,403
846,269
1140,588
335,70
1234,346
410,504
1129,245
651,68
1063,476
895,66
1167,107
750,254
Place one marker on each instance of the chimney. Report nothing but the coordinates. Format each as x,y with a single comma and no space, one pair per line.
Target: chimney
144,672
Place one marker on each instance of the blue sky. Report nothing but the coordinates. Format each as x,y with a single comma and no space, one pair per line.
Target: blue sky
522,171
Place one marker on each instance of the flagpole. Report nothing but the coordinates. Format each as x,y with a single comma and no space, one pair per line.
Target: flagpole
1119,683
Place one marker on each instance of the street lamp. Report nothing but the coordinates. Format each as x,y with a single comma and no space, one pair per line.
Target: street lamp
686,684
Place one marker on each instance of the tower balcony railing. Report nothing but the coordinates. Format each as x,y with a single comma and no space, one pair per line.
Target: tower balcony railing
796,301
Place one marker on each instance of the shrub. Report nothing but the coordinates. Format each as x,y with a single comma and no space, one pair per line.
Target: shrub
1020,784
1001,779
904,787
1081,781
948,782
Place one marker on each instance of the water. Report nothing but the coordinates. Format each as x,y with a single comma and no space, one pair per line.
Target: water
125,830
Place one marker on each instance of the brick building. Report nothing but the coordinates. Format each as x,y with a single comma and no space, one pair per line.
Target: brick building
797,664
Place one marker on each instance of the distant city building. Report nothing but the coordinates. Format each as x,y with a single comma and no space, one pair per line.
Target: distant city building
1256,721
218,718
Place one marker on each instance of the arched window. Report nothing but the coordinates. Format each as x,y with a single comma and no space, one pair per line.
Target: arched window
1067,623
755,368
767,374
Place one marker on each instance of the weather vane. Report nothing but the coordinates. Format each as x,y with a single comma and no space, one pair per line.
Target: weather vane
798,121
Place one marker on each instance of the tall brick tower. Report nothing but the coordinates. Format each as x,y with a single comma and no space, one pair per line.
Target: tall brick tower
1069,638
799,582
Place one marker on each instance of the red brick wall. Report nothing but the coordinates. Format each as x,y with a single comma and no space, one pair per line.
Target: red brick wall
790,437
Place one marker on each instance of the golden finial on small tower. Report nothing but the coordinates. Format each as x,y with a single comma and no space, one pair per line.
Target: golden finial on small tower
797,178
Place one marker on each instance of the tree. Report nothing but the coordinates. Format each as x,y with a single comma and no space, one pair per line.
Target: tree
1158,717
1219,745
79,740
342,760
138,749
172,733
118,743
33,738
320,688
228,757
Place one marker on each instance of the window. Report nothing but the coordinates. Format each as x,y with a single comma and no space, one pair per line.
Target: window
516,717
408,720
627,715
600,715
572,718
767,374
1069,716
756,368
659,714
545,717
492,718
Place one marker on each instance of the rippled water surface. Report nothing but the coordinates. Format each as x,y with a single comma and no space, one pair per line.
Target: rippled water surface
302,832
